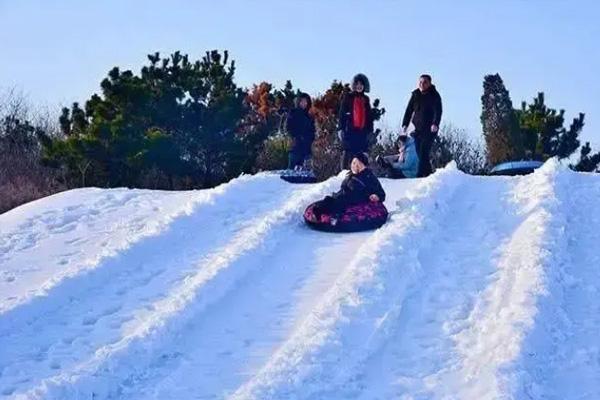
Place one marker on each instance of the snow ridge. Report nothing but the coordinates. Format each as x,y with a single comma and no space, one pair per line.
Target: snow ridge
42,227
505,312
354,317
477,287
209,280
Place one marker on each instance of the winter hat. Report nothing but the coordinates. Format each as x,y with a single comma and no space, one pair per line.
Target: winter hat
362,157
300,96
362,78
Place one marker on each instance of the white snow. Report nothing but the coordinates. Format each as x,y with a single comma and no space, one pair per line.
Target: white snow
476,288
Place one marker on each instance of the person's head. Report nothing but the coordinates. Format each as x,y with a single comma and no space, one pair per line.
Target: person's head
424,82
360,161
303,101
360,83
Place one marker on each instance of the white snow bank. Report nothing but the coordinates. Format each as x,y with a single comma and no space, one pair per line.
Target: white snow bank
47,241
211,278
505,312
354,317
478,287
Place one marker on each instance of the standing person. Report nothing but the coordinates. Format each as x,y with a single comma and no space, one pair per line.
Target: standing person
424,110
300,125
355,124
404,164
360,186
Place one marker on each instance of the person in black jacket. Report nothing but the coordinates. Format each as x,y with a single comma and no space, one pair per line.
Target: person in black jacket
360,186
300,125
424,110
355,125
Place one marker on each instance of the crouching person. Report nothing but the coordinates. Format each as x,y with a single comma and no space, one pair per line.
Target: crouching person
360,186
405,164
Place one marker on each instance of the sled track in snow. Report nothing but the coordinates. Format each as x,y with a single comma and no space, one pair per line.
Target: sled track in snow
227,295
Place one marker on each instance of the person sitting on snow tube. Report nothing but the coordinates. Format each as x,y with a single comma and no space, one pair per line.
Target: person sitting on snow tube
358,205
405,164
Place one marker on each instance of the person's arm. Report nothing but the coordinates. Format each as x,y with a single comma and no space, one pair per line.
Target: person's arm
437,110
409,111
342,117
369,115
291,125
375,188
379,190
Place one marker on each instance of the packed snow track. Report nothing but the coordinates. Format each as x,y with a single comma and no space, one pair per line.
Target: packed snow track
476,288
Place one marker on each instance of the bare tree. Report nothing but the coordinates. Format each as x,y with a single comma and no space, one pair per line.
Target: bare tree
455,144
23,178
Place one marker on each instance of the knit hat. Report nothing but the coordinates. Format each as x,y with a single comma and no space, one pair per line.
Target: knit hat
362,157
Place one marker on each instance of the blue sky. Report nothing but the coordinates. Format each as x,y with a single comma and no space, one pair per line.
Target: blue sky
58,52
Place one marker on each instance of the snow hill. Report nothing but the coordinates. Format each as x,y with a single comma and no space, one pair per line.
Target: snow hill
477,288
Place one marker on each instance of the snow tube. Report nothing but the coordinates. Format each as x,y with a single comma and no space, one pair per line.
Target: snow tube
298,176
362,217
512,168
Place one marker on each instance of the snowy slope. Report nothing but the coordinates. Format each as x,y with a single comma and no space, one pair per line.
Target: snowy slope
477,288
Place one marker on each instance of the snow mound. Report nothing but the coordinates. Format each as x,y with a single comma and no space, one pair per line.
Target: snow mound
477,287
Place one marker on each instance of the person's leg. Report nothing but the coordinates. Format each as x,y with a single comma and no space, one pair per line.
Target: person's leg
397,174
346,159
425,154
306,154
418,137
294,159
324,206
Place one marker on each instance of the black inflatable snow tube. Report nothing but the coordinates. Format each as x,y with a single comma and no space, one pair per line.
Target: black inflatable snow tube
362,217
299,178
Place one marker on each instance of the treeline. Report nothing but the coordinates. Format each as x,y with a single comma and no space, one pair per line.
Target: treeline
532,132
181,124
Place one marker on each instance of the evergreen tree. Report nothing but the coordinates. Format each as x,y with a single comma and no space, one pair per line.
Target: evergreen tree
500,125
543,133
177,118
588,162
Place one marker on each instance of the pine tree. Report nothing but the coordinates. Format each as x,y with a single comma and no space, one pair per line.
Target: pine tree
176,119
500,125
543,132
588,162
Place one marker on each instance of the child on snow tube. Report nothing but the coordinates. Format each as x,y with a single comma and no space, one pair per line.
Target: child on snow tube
357,206
405,164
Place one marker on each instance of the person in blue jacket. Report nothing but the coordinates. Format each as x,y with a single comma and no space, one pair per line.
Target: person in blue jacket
405,164
300,125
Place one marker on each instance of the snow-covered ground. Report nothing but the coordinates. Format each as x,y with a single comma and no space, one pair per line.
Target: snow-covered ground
476,288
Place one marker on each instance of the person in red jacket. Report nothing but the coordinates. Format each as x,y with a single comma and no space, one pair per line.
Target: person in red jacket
355,125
